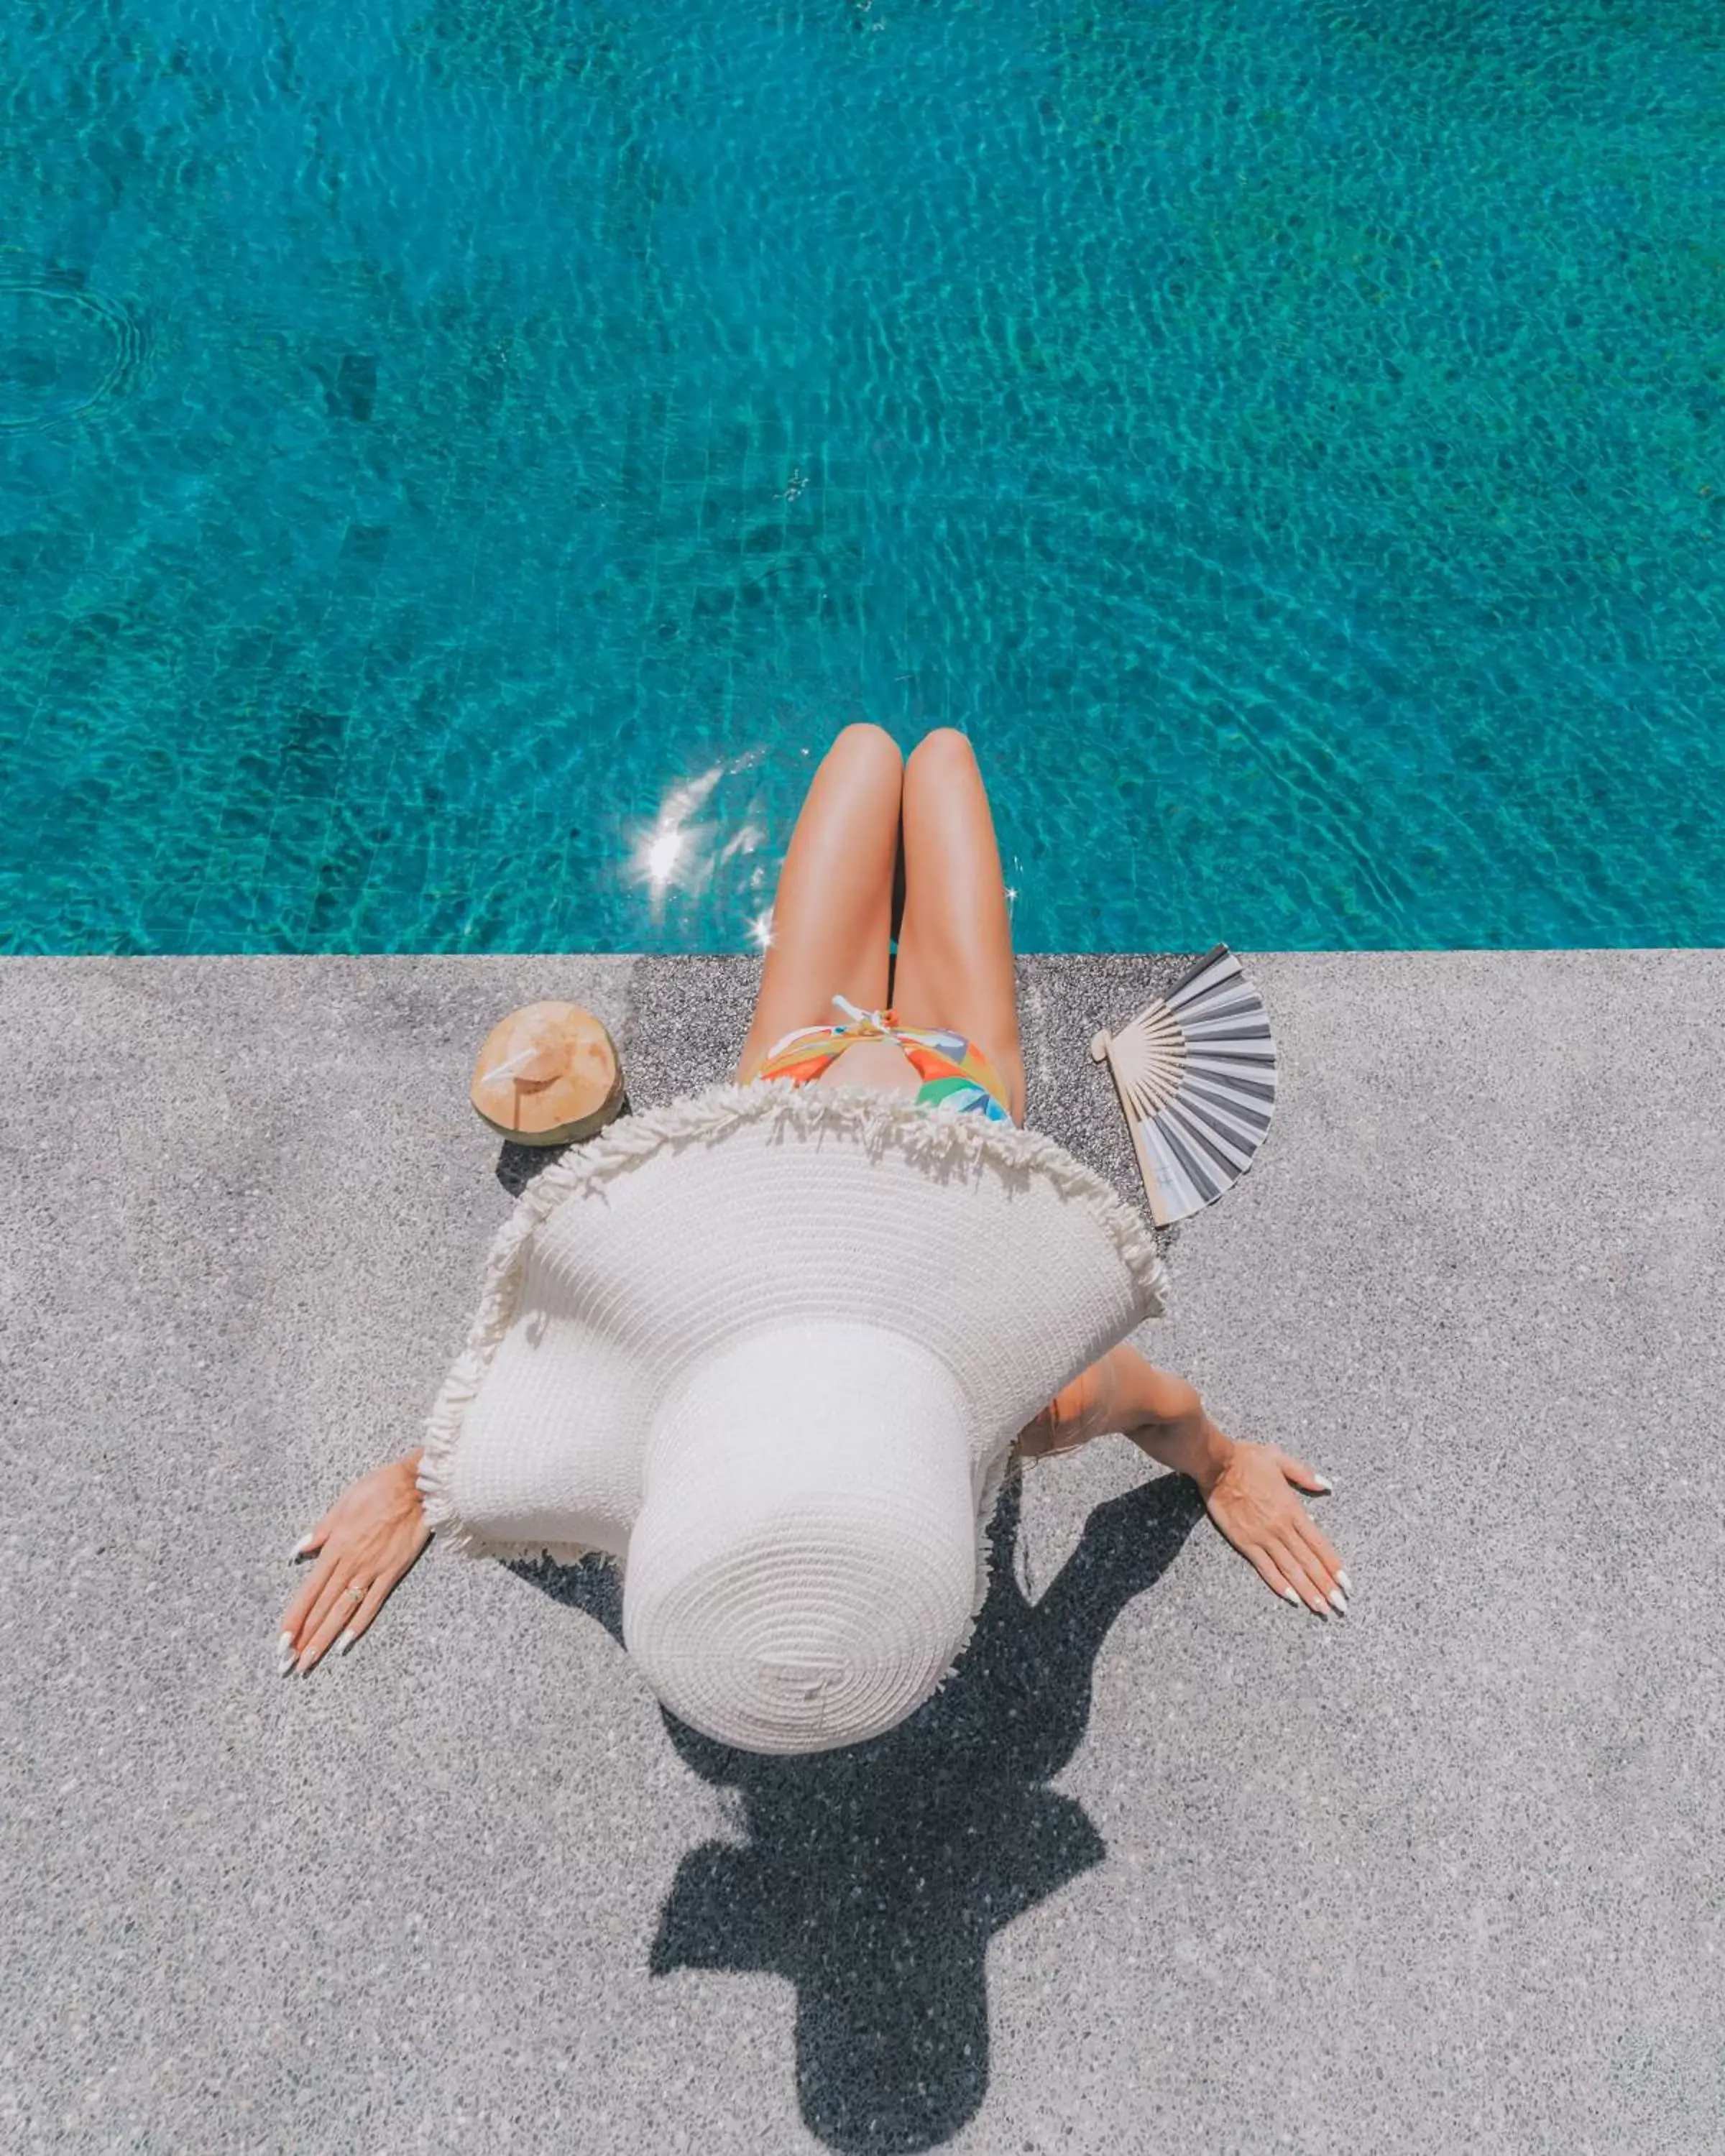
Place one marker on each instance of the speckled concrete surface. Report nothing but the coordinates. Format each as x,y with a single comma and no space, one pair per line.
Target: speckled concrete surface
1170,1866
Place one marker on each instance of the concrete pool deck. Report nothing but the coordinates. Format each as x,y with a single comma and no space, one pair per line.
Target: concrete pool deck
1178,1868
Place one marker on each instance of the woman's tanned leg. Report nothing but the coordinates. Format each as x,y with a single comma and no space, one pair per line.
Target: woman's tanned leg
955,942
832,914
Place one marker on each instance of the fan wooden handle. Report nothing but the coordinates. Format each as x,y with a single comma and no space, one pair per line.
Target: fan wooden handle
1099,1048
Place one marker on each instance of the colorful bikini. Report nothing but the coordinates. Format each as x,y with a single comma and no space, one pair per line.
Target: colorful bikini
958,1079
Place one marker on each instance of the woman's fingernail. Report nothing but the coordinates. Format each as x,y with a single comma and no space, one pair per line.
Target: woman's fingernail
1342,1582
1289,1595
1339,1599
303,1544
1325,1483
345,1642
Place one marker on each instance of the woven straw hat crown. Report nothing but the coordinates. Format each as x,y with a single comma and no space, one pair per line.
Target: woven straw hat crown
801,1571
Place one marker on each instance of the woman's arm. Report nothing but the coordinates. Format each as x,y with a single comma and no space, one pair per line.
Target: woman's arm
1123,1393
1164,1416
1244,1487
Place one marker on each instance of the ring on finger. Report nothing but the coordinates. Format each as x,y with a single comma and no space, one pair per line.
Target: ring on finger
355,1594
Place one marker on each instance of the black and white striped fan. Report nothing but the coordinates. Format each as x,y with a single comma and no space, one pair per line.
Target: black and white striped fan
1196,1076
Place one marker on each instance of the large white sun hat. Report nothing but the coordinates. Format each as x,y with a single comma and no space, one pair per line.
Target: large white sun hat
768,1348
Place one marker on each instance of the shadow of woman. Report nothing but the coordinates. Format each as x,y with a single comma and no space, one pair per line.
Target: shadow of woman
875,1877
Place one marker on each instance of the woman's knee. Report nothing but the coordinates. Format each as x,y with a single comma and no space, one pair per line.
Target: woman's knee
945,753
864,742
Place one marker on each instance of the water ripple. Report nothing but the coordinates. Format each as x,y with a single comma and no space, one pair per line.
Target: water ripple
65,350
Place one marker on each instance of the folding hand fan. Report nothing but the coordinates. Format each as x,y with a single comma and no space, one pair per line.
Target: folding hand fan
1196,1076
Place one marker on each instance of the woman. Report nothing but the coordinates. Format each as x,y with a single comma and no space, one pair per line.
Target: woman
772,1349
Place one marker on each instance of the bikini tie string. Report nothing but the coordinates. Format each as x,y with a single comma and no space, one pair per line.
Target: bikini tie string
866,1021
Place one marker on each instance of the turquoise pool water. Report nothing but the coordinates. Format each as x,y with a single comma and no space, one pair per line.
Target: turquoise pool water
456,455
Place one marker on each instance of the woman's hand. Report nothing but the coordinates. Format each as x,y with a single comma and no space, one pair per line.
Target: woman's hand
368,1539
1250,1501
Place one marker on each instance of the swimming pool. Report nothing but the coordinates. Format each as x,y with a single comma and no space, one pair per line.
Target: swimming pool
460,460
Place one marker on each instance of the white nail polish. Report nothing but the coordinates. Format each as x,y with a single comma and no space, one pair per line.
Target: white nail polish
283,1645
344,1643
1289,1595
1339,1599
303,1544
1342,1582
1325,1483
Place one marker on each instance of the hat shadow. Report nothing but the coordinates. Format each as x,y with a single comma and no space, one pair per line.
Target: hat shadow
517,1164
873,1878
